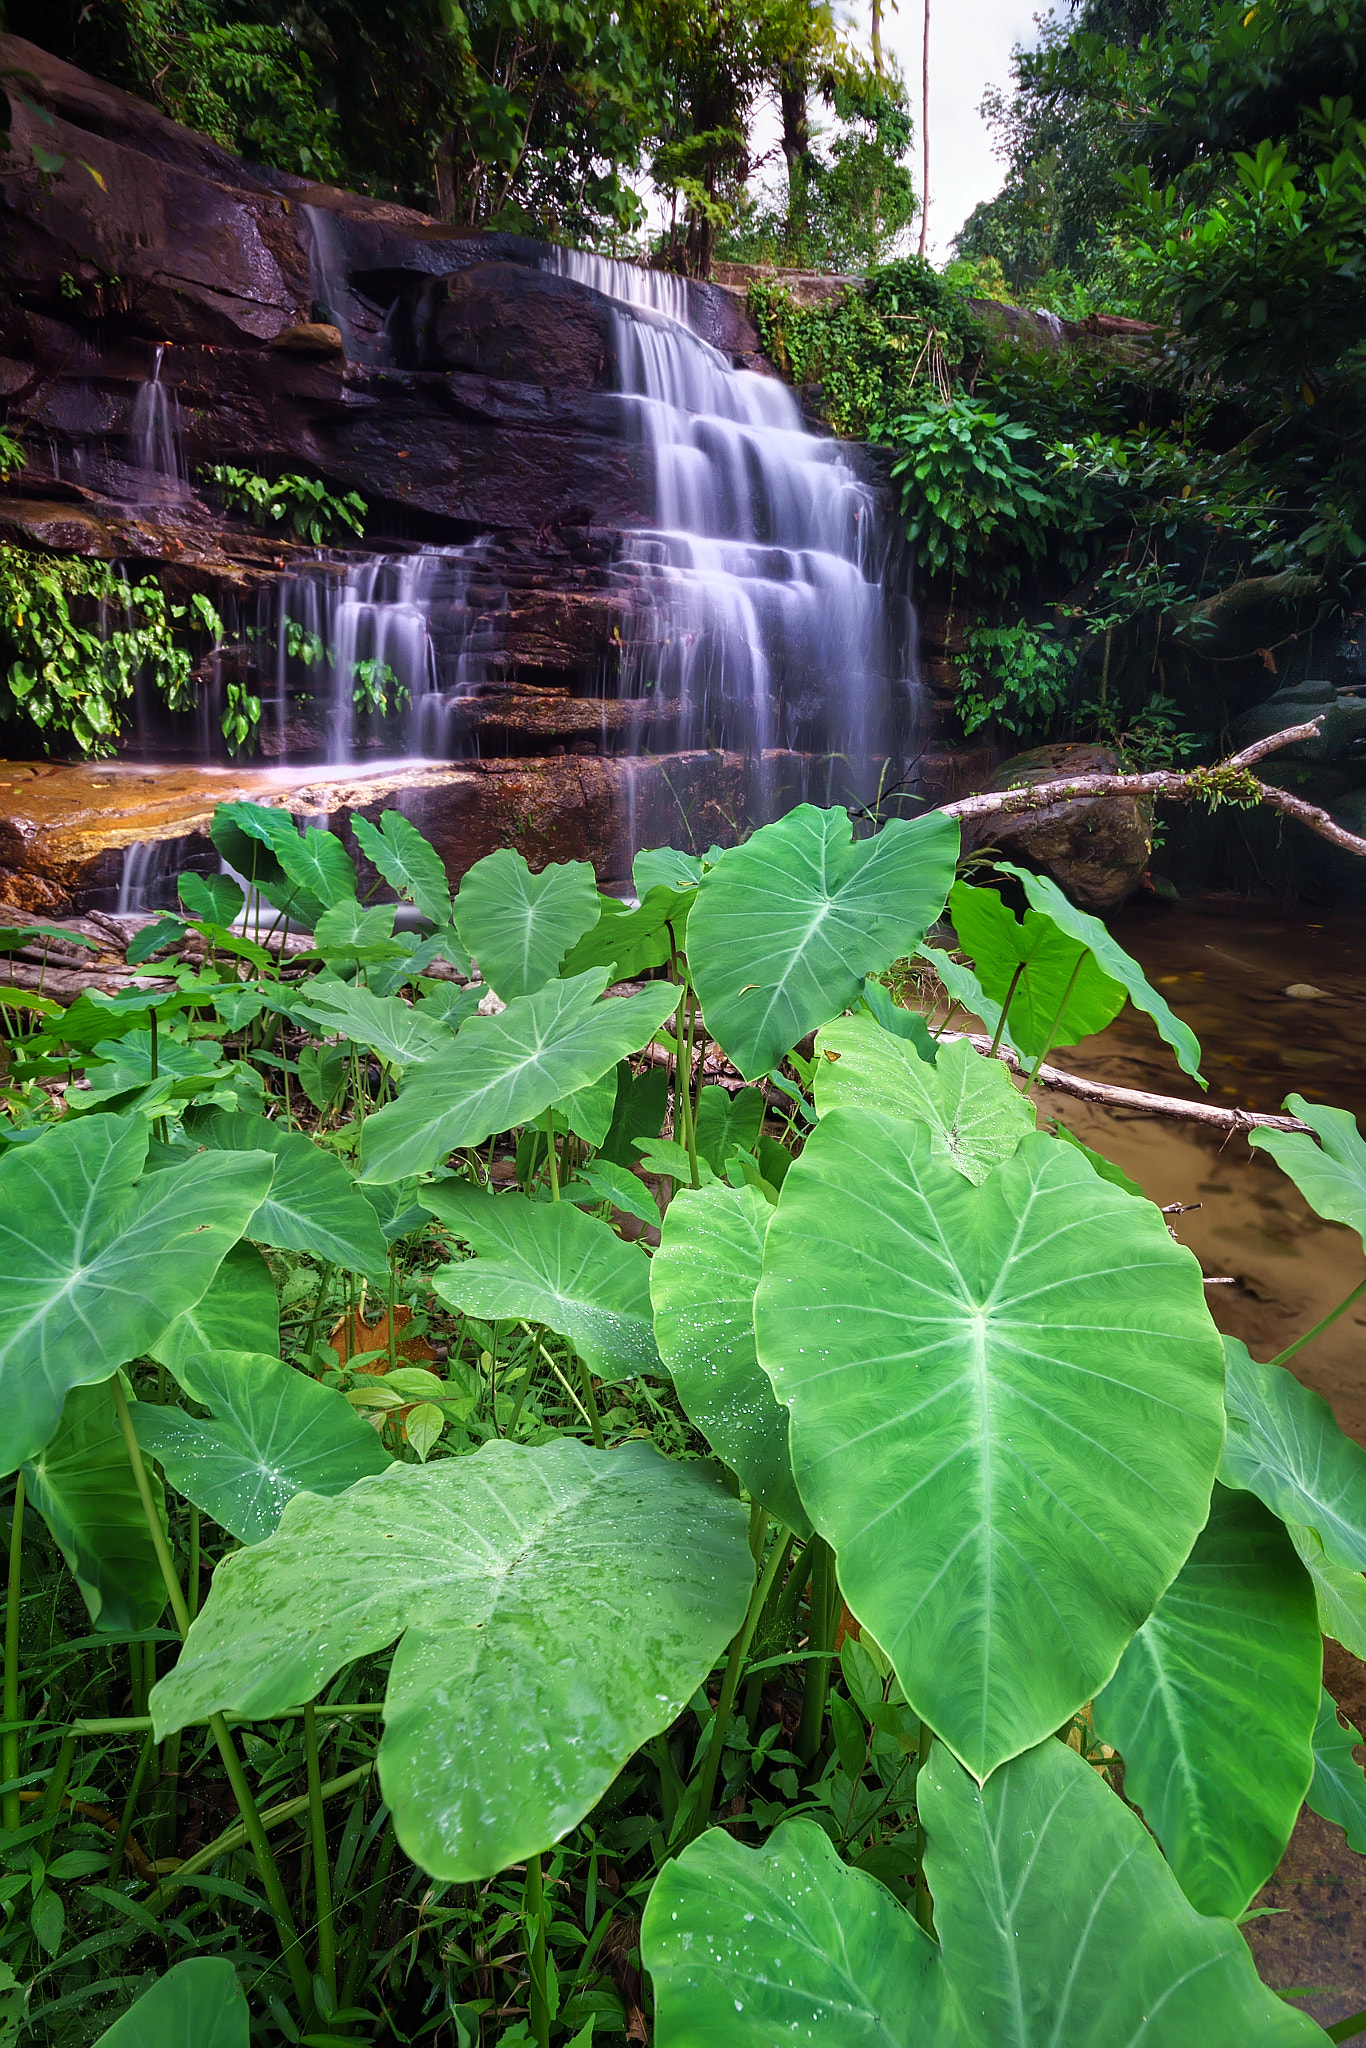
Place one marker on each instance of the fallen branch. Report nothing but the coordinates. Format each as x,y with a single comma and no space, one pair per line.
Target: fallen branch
1230,781
1139,1099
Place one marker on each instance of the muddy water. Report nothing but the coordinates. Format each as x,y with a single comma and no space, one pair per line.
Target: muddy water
1240,976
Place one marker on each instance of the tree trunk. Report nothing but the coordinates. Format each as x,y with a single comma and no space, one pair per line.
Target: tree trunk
792,91
925,132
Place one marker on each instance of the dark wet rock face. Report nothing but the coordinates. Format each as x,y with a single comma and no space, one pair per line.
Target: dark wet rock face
1095,851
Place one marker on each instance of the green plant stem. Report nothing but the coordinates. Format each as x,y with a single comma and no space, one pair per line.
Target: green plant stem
536,1946
237,1837
739,1650
590,1402
322,1869
683,1081
1005,1009
130,1804
754,1688
192,1587
55,1789
551,1158
227,1749
393,1339
822,1641
10,1743
924,1904
1348,2029
159,1123
324,1283
1057,1019
1323,1324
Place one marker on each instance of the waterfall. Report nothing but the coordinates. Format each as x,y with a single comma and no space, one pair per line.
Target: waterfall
158,447
761,608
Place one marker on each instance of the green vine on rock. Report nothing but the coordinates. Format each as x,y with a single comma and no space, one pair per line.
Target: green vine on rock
66,667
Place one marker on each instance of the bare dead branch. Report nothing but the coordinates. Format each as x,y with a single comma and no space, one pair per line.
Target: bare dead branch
1113,1097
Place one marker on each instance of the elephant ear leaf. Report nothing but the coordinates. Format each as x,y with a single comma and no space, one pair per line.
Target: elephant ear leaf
787,925
748,1946
1284,1445
1060,1922
240,1312
198,2004
486,1565
409,863
313,1205
1046,897
272,1432
1228,1660
82,1485
1051,985
1338,1790
976,1117
98,1262
1331,1175
519,925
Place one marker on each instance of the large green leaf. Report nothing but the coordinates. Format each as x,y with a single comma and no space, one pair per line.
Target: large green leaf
1339,1591
245,834
562,1606
83,1487
1331,1175
350,934
548,1262
1045,896
1338,1790
639,1113
1225,1668
786,926
318,864
702,1282
519,926
313,1205
273,1432
239,1312
726,1121
198,2004
409,863
975,1115
966,992
631,942
1006,1414
1061,1926
1285,1446
508,1069
397,1032
749,1947
97,1263
1061,992
664,865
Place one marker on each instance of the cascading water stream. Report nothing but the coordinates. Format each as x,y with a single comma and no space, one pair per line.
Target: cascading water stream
765,613
158,445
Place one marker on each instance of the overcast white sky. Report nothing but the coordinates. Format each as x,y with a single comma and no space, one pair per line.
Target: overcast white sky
970,45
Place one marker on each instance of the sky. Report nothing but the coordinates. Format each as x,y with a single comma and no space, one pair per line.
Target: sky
970,45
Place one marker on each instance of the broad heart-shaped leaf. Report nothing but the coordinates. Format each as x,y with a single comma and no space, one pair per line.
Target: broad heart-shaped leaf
1061,992
507,1070
748,1947
245,834
547,1262
665,866
589,1111
318,864
976,1117
1226,1667
1045,896
1338,1790
631,942
347,932
786,926
82,1485
725,1121
907,1024
313,1205
398,1033
1006,1414
1061,1926
198,2004
239,1312
966,992
561,1605
98,1263
215,898
1330,1175
519,926
274,1433
702,1282
409,863
1285,1446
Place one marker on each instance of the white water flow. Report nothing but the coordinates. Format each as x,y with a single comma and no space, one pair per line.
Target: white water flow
158,445
761,608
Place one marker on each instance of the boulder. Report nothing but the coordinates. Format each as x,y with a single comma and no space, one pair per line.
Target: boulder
1096,850
1342,713
523,326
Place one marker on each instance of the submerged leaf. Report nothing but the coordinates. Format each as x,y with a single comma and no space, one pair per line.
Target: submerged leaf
562,1606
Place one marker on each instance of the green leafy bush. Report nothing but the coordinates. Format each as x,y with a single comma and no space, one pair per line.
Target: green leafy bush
314,512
